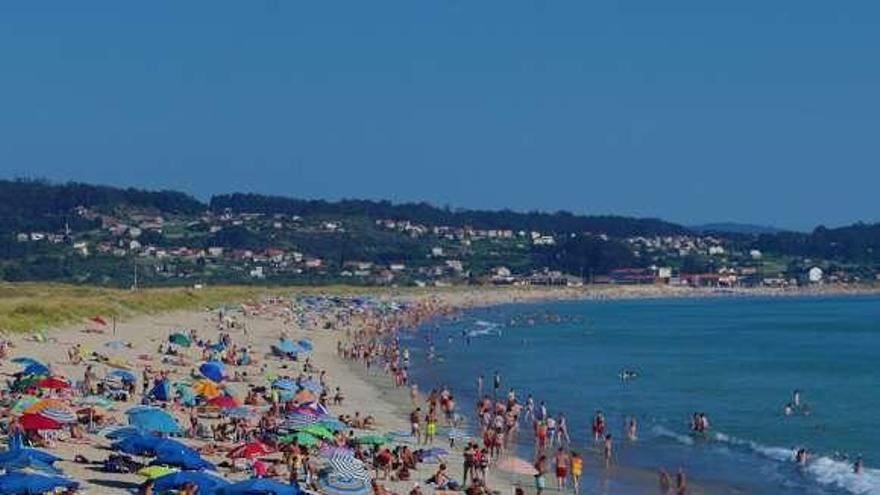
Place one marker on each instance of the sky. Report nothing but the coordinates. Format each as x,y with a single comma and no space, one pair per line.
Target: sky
694,111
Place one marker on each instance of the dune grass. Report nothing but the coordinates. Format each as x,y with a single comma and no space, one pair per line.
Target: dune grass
31,307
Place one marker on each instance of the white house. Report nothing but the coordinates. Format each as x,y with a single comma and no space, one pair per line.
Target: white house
814,275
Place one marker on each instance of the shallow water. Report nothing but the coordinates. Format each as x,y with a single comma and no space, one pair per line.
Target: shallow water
738,360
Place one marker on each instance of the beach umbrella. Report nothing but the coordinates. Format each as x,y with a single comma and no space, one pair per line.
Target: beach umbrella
26,361
515,465
313,406
26,383
19,452
36,369
285,384
119,432
62,415
305,396
296,421
187,459
317,430
213,370
300,438
124,375
371,440
140,444
152,472
154,420
334,450
249,451
333,424
23,403
206,482
336,484
96,400
38,422
53,383
29,464
312,386
206,388
20,483
286,348
41,404
180,339
258,486
349,467
223,402
305,344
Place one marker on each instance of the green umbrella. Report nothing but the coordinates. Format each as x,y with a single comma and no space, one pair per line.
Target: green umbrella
27,382
301,438
23,403
371,440
317,431
180,339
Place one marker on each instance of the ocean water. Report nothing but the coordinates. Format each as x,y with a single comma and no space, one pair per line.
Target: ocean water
738,360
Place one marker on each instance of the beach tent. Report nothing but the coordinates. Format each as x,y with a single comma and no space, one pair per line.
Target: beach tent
213,370
124,375
153,420
207,483
258,486
180,339
161,391
21,483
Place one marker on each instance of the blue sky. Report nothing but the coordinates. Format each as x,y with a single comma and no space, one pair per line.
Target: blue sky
694,111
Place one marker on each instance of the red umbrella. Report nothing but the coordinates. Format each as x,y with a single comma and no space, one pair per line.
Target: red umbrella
53,383
38,422
223,402
249,451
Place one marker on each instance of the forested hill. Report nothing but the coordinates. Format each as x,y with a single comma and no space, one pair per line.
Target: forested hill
427,214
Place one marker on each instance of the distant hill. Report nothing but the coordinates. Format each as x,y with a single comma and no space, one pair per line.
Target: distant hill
735,228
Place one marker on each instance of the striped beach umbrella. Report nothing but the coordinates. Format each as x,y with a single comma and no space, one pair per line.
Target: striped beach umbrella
334,450
298,421
333,484
60,414
347,466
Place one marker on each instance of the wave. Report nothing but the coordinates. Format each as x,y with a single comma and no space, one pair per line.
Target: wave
665,432
824,470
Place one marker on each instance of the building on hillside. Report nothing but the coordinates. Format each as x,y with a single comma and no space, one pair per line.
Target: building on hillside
815,275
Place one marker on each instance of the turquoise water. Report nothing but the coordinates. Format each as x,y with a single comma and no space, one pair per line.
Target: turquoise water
738,360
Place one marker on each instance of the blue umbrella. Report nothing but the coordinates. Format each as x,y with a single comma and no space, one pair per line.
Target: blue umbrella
333,424
313,386
26,361
124,375
161,391
258,486
206,482
306,344
29,462
144,445
120,432
18,483
154,420
286,348
37,454
36,369
285,384
213,370
182,458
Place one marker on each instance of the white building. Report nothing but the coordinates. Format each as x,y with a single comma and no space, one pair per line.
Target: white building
814,275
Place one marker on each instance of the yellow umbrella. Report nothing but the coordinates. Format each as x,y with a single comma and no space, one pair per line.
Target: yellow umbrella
151,472
46,404
206,388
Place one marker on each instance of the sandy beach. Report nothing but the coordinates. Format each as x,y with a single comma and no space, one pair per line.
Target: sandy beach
134,344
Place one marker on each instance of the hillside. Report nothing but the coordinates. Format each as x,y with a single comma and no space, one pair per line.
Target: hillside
82,233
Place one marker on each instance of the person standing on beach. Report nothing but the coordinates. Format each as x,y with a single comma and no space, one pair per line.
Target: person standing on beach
562,430
665,481
415,423
608,450
577,470
632,430
540,480
562,462
681,482
480,386
496,384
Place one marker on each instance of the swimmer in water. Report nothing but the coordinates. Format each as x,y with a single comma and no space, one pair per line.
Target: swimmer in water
857,466
789,409
632,430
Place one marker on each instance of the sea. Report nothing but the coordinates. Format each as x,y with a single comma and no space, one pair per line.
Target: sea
738,360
